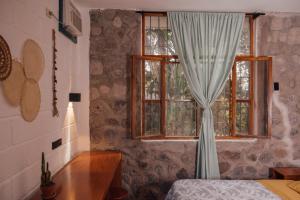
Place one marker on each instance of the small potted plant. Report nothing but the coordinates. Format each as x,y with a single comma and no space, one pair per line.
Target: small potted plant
47,185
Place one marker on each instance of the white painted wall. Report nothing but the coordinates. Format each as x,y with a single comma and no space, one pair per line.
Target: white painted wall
21,143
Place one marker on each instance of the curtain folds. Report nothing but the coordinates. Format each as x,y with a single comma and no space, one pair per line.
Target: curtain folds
206,44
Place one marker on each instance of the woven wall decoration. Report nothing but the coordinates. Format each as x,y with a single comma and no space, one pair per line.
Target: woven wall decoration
12,86
55,112
33,60
5,60
30,100
20,80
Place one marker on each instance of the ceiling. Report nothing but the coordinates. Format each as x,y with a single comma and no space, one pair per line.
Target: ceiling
199,5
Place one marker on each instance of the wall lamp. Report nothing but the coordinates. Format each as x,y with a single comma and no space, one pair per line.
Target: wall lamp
74,97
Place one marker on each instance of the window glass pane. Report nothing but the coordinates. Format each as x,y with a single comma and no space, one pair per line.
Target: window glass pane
221,112
242,80
163,22
221,115
152,119
154,22
244,45
152,80
158,36
177,87
242,118
181,118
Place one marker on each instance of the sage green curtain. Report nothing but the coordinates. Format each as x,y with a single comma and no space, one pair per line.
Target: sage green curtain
206,44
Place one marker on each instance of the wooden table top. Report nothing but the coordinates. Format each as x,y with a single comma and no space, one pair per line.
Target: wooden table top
288,173
87,177
287,170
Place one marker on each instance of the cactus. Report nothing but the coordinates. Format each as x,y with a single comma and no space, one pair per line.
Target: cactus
46,174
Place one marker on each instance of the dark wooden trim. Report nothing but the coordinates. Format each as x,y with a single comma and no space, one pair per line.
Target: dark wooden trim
164,58
251,100
270,93
143,98
251,58
163,98
133,99
161,137
255,14
152,13
233,100
230,104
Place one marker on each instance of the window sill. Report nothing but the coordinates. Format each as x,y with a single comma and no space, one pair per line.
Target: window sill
236,140
231,139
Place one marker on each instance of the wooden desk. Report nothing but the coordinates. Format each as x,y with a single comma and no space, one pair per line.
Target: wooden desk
88,176
288,173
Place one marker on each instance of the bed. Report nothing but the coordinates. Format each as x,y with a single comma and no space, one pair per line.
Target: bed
196,189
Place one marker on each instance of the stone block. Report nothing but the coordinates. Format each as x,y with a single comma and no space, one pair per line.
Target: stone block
293,36
182,174
224,167
277,24
265,157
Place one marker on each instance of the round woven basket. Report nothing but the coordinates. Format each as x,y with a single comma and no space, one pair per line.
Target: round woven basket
30,100
12,86
33,60
5,60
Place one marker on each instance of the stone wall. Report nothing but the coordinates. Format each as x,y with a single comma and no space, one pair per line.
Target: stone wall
150,167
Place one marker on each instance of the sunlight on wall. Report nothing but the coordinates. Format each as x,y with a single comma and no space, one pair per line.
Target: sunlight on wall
69,132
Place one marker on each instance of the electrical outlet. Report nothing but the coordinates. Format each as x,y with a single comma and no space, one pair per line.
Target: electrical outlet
49,13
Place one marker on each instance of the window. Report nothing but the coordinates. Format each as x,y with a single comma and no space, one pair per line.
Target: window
162,106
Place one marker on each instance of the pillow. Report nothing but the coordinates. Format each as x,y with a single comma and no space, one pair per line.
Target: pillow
295,185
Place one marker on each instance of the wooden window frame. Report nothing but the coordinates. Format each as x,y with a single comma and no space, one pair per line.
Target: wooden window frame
250,101
162,101
163,59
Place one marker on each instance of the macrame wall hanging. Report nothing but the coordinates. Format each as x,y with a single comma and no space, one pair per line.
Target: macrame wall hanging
54,80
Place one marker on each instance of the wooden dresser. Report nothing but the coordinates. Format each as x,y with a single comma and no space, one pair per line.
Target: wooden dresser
88,176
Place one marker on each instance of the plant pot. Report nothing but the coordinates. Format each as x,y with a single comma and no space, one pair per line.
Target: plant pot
48,192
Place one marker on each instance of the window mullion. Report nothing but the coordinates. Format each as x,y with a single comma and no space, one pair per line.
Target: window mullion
133,100
143,98
163,99
269,97
251,107
233,101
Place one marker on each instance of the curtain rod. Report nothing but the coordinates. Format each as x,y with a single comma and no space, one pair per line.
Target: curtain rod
254,14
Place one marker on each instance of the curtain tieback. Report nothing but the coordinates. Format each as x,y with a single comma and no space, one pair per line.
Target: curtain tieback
207,111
